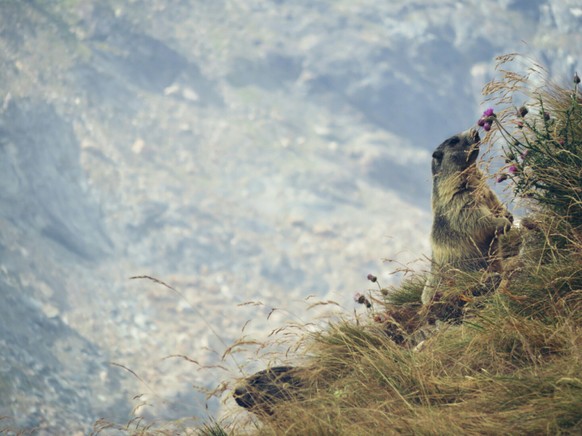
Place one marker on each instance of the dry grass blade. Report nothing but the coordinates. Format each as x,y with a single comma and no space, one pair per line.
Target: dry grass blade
132,372
182,356
323,303
241,343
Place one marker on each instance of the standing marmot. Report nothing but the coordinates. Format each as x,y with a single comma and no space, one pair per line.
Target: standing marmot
468,216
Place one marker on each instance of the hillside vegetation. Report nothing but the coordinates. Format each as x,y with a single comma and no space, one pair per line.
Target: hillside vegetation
496,354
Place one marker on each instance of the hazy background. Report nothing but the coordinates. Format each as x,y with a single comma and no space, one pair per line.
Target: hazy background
239,150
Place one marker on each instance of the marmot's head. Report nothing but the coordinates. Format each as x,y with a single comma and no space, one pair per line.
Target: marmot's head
456,154
263,390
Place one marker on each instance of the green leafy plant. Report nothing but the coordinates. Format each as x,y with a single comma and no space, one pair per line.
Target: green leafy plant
542,140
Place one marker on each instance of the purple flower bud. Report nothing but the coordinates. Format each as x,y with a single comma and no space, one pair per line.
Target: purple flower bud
372,278
502,178
512,169
519,125
481,122
486,127
361,299
546,116
522,111
576,78
489,112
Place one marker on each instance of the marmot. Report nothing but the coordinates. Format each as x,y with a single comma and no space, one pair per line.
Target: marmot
467,214
262,391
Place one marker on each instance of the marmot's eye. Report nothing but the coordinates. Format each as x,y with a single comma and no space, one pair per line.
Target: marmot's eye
437,155
454,140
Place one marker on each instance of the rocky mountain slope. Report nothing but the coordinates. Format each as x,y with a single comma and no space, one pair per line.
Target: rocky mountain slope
237,150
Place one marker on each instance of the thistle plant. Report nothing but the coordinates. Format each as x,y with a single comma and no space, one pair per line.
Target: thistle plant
542,142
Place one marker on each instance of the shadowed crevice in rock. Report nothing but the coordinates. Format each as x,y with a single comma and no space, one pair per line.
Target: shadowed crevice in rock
44,186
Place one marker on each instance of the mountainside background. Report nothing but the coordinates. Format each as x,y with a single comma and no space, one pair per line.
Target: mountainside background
244,150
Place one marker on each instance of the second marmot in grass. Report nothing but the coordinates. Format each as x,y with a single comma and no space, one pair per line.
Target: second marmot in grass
468,216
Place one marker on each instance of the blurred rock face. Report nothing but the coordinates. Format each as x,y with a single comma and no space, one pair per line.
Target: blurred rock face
237,150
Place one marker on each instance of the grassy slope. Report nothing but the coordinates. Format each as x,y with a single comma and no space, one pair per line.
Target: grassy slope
508,361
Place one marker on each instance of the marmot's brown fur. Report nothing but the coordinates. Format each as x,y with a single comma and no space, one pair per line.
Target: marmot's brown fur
468,216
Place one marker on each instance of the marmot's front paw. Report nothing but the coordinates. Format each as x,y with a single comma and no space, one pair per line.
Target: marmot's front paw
509,216
503,224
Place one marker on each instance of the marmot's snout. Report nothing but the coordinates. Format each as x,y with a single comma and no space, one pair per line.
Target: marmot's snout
472,140
471,136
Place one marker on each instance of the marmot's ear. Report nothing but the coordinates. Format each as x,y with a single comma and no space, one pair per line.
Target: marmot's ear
438,155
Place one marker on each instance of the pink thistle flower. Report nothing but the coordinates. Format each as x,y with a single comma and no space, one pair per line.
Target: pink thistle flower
489,112
512,169
487,127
